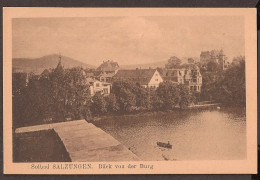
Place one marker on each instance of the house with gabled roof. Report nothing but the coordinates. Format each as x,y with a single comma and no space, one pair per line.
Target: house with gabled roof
104,72
108,67
145,77
102,76
189,75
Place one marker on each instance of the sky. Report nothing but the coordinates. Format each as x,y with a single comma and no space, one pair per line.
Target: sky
127,40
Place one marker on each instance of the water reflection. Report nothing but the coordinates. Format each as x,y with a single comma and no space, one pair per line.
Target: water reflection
205,135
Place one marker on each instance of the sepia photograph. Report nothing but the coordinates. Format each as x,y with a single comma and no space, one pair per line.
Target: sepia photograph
124,87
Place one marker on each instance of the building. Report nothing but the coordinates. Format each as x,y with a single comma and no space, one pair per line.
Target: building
193,79
189,75
96,86
100,75
109,67
214,56
145,77
104,72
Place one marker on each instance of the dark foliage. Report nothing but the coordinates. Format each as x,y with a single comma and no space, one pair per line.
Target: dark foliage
226,86
64,94
53,98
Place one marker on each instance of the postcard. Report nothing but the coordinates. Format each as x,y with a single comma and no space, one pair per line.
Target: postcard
130,90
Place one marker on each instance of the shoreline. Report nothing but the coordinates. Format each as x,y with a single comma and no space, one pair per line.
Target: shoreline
161,112
98,118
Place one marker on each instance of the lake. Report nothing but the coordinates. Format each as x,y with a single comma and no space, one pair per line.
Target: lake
210,134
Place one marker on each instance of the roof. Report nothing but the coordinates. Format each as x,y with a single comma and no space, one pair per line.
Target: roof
170,72
143,76
108,66
99,74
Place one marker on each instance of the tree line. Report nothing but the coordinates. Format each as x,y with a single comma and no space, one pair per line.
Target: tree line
64,94
225,86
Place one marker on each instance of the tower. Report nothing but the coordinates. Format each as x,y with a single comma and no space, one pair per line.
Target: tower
222,59
59,66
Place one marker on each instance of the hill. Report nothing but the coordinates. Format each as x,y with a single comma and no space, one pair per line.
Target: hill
46,62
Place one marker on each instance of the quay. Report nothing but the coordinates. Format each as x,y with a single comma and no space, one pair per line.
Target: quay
85,142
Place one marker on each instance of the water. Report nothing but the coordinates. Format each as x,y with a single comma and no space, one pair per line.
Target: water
195,134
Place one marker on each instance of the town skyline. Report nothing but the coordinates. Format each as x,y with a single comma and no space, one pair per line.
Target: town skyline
135,40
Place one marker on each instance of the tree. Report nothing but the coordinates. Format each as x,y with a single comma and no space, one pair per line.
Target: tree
77,95
112,105
98,105
157,102
231,87
173,63
57,85
169,93
56,96
34,103
19,89
143,98
238,59
226,86
213,66
208,87
185,96
126,97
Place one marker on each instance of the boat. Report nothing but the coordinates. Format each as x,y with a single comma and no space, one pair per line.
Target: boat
164,145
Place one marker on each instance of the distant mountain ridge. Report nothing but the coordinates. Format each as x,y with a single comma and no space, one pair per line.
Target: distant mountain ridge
38,65
46,62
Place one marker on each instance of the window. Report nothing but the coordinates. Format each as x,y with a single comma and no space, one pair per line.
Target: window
191,88
156,79
195,88
156,74
97,84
